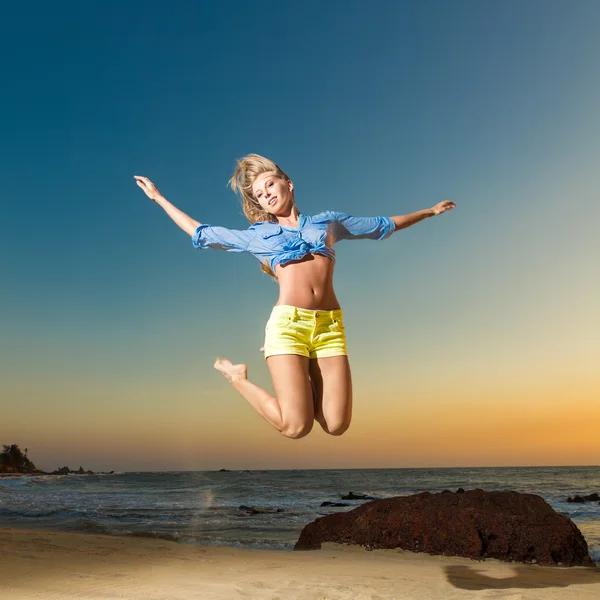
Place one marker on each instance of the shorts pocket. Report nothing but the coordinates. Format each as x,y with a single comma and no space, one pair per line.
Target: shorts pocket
279,323
337,325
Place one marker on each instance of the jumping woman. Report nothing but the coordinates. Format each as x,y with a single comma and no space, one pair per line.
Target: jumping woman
305,342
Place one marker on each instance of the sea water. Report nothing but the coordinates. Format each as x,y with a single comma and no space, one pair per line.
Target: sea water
204,507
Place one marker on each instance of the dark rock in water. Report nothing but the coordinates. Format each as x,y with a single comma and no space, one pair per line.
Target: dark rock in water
460,491
353,496
334,504
589,498
67,471
62,471
223,470
259,510
507,526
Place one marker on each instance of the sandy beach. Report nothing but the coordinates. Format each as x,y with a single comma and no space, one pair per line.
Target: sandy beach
47,565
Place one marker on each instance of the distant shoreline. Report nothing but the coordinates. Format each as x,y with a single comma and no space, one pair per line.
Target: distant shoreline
21,474
37,473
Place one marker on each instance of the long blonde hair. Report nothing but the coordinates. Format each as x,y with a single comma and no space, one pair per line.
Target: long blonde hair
247,170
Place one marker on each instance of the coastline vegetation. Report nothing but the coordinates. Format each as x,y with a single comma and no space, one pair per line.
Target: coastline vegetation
14,460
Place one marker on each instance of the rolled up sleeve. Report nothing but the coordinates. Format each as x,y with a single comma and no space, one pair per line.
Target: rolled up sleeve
221,238
348,227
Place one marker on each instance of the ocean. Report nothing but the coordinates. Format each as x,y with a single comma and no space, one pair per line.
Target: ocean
204,507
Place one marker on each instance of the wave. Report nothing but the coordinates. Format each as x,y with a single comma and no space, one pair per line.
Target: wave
253,544
171,537
26,480
90,526
33,514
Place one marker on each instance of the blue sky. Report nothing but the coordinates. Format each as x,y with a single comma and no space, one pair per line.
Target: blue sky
108,316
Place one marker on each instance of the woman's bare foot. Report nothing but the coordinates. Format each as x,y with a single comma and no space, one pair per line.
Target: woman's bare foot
232,372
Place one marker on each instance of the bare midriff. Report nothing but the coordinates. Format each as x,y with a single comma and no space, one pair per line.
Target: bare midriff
307,283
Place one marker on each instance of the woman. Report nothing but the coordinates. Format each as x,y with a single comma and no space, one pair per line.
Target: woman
305,342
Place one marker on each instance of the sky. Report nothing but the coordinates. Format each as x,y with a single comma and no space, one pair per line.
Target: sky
473,337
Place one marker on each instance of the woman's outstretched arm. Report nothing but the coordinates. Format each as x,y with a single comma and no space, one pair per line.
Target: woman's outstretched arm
186,223
404,221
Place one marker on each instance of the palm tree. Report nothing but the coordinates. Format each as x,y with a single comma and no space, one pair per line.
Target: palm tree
13,459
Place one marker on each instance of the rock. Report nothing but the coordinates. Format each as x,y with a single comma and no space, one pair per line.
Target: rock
67,471
334,504
460,491
62,471
353,496
589,498
259,510
475,524
223,470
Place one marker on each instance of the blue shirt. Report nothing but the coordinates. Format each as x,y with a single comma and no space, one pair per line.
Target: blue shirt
275,244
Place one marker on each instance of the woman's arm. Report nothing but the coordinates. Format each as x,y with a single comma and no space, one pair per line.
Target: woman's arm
404,221
186,223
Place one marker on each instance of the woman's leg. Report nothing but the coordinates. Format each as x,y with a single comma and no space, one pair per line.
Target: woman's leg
332,382
291,411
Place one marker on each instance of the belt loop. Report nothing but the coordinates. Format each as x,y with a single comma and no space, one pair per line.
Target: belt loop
295,314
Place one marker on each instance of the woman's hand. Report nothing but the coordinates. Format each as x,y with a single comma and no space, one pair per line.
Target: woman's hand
442,207
149,188
182,220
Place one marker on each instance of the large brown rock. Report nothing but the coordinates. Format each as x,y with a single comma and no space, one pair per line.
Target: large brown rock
475,524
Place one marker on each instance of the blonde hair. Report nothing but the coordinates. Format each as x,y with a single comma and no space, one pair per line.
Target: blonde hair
247,170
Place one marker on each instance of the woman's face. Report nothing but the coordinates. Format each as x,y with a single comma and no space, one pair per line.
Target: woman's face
273,193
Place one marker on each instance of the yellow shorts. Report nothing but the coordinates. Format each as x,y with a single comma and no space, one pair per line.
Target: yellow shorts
311,333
